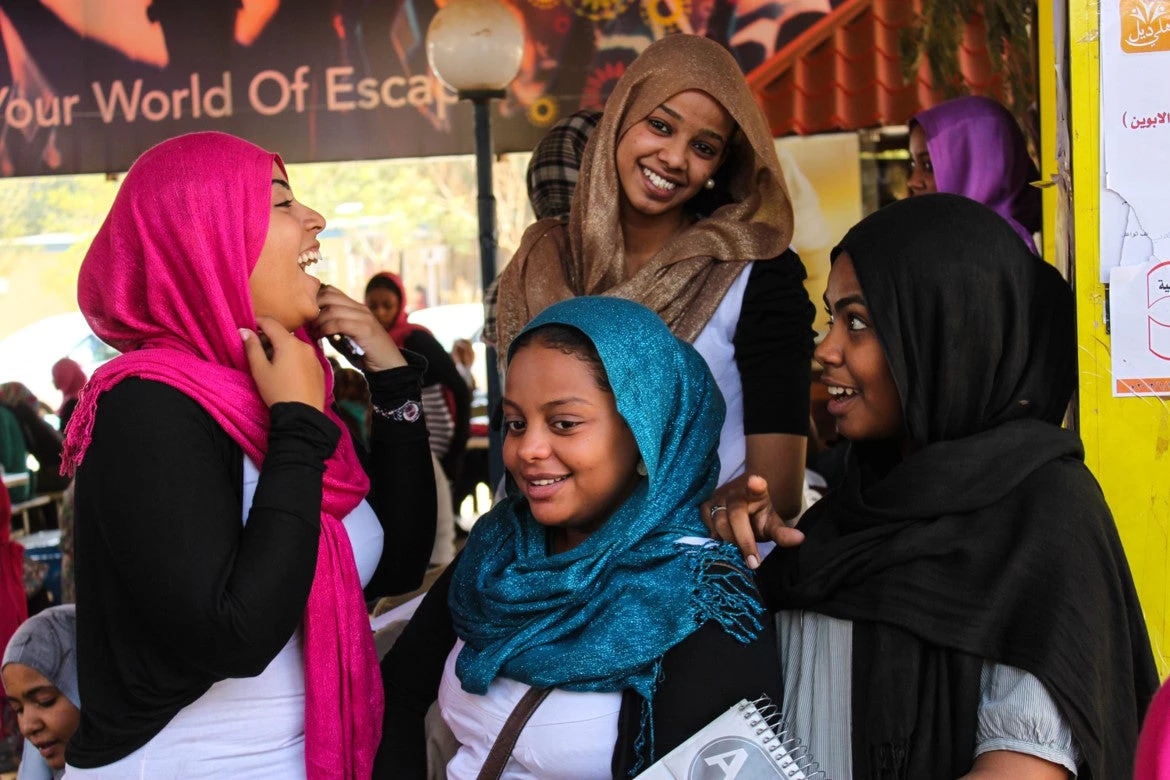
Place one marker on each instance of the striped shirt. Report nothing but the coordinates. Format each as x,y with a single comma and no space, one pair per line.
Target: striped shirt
440,423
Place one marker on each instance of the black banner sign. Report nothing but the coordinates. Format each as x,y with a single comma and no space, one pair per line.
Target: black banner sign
87,85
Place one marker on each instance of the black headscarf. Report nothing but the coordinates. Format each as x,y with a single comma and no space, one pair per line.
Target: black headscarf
991,540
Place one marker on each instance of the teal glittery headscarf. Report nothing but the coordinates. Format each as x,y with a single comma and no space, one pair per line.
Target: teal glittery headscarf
600,617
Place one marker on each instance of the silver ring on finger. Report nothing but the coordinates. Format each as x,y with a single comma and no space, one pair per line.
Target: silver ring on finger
717,508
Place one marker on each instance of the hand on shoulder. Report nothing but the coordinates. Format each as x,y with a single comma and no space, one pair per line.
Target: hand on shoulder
741,512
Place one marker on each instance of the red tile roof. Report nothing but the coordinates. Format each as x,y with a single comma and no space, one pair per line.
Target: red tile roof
845,73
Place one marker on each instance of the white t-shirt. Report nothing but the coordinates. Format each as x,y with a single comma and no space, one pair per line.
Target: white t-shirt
571,736
244,727
716,343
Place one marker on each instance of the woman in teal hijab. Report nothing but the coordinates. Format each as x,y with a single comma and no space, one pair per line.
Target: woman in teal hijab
594,577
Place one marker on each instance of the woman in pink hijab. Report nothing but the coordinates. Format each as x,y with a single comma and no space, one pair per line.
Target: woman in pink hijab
223,531
69,378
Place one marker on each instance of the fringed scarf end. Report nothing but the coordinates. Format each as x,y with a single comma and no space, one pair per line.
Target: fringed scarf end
644,752
726,594
79,432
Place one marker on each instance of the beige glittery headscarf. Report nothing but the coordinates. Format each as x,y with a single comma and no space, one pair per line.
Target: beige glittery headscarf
687,279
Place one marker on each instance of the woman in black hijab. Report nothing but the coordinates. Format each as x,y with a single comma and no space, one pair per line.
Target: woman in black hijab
963,603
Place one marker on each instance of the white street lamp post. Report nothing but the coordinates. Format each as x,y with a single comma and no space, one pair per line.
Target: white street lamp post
475,48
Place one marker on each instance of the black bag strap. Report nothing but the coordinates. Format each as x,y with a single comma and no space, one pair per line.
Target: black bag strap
493,767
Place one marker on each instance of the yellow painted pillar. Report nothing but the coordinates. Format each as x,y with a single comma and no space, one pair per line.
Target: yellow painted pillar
1046,101
1127,440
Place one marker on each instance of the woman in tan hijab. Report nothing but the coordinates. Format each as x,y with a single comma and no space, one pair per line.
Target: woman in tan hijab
681,206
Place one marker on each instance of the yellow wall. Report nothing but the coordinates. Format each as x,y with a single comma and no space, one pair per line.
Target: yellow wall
1046,93
824,182
1126,439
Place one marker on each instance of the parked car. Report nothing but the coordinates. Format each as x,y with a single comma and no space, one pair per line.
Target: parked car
457,321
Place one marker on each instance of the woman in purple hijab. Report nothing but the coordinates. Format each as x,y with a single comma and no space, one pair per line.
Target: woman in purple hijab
973,146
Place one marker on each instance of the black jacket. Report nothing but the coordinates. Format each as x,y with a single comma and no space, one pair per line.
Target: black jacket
174,594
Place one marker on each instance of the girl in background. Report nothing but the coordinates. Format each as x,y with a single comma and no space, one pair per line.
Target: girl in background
446,397
69,378
40,681
446,402
973,147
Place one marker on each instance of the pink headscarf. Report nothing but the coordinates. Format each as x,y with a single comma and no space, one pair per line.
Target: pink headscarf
68,377
166,283
1153,749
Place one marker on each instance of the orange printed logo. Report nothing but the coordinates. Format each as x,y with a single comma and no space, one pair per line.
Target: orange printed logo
1145,25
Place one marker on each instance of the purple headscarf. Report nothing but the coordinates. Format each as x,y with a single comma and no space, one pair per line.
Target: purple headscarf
977,150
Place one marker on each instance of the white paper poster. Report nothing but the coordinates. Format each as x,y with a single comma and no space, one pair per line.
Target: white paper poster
1139,305
1135,206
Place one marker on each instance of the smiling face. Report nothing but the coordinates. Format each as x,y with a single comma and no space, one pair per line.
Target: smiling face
664,160
570,452
280,287
921,181
863,396
45,717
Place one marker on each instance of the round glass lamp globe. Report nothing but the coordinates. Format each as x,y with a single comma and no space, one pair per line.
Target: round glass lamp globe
475,45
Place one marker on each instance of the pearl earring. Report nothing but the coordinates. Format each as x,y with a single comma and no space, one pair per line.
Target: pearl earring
641,468
709,184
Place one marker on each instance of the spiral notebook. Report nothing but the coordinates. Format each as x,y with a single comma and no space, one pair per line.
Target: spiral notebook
748,742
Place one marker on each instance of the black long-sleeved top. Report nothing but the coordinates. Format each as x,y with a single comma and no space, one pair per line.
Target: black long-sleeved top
773,347
174,593
441,371
65,413
702,676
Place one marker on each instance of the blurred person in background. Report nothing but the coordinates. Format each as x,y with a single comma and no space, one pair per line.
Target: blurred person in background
69,378
446,400
1153,751
352,401
13,453
446,397
41,440
13,612
464,356
973,146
